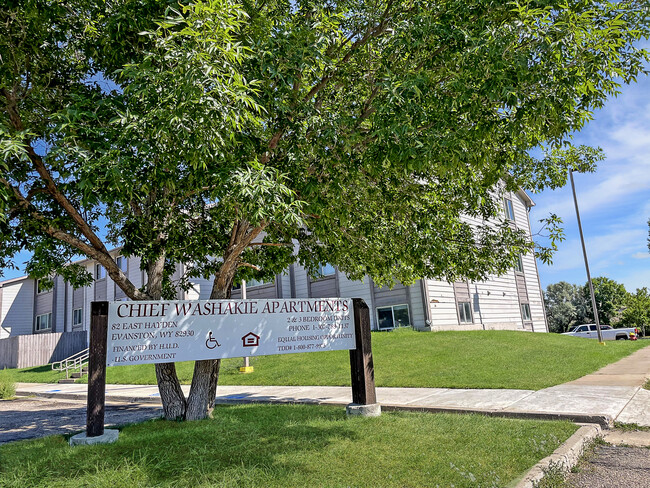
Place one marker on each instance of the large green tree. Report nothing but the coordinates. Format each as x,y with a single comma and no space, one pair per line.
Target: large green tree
637,311
378,135
561,309
611,298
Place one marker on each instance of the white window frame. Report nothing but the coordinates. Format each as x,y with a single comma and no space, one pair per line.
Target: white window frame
253,283
462,305
526,316
122,259
80,313
392,311
321,271
100,272
39,319
519,265
509,209
39,290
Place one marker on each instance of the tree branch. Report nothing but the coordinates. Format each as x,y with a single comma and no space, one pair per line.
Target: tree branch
102,256
371,33
274,244
45,175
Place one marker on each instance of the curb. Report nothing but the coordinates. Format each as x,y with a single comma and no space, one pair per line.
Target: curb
603,421
564,458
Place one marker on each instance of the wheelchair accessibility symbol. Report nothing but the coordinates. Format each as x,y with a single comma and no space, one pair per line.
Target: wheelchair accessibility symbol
211,342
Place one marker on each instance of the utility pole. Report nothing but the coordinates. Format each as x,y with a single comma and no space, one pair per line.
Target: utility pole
246,368
584,253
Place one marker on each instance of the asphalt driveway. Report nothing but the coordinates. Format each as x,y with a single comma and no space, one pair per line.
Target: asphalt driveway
29,418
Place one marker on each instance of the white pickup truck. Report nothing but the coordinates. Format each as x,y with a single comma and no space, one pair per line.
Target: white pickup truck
607,331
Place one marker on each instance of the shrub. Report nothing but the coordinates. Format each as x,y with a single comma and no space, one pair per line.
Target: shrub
7,387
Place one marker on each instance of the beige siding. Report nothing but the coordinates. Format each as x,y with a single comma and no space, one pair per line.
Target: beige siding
323,287
201,289
88,298
43,303
134,272
415,306
497,302
267,290
301,281
17,311
59,308
285,285
385,296
443,305
358,289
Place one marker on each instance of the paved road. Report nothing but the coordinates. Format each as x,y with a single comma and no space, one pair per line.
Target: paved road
613,467
29,418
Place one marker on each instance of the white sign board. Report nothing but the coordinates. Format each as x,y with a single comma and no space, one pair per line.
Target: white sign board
141,332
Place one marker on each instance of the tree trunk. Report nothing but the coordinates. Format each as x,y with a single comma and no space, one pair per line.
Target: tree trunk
171,393
203,391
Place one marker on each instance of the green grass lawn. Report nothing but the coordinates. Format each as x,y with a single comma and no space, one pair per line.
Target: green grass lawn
293,445
472,359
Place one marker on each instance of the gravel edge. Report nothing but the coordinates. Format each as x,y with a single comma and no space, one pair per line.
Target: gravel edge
564,457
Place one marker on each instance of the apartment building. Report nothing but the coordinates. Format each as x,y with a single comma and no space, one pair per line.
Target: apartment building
511,301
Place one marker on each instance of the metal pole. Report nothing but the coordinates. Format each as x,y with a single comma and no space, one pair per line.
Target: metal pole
243,297
584,252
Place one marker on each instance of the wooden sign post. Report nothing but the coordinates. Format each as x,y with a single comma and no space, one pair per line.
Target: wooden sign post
97,369
300,325
96,401
362,369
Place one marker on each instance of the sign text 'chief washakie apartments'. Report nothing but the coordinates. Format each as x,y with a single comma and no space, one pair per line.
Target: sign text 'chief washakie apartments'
153,331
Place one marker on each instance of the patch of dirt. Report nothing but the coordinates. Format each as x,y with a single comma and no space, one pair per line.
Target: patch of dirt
612,467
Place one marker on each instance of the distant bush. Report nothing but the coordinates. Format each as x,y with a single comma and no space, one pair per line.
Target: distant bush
7,387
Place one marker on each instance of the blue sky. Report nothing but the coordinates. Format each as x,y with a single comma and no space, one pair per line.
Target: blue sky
614,202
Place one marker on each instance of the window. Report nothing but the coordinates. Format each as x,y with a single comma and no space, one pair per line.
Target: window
465,313
44,322
393,316
42,286
519,265
525,312
122,263
325,270
260,282
77,317
100,272
510,212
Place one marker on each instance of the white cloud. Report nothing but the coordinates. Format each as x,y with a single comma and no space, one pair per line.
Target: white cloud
603,250
614,202
641,255
632,136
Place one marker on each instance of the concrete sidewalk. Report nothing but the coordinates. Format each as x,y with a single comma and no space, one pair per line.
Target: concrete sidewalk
612,394
578,403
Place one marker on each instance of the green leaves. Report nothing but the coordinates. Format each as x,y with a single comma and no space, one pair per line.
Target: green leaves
259,195
380,136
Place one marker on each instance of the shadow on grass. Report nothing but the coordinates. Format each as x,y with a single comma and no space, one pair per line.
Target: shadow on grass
242,441
292,445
